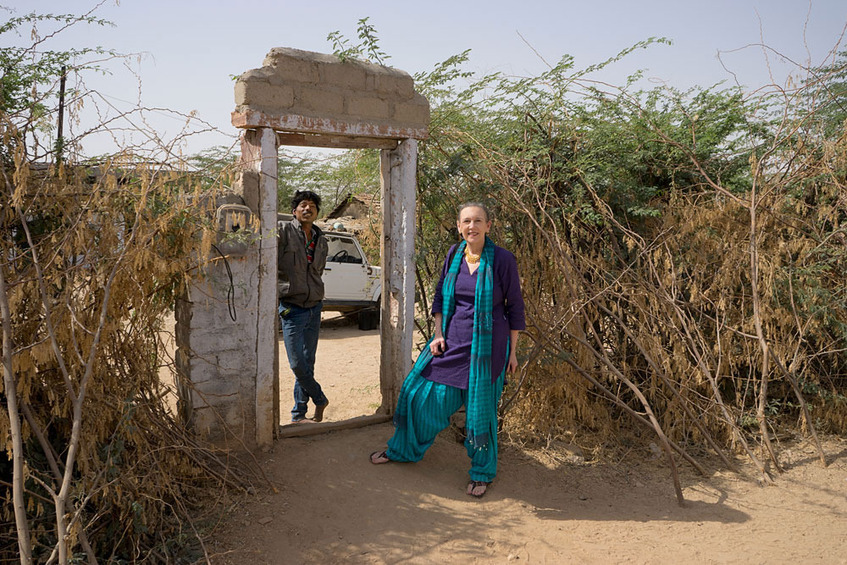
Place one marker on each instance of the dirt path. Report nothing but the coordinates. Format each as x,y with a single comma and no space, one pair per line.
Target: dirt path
334,507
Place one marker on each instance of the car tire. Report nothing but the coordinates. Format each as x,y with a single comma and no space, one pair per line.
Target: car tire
368,319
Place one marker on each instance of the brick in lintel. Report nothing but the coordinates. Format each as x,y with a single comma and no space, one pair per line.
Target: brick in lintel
346,76
256,75
368,108
396,83
263,94
292,65
415,112
298,54
328,103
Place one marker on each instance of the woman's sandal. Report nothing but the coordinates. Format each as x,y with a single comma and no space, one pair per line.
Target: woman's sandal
379,457
474,485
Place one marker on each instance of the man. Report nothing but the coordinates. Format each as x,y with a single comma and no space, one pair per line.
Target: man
301,258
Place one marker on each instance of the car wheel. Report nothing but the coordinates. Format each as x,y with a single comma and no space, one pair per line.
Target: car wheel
369,319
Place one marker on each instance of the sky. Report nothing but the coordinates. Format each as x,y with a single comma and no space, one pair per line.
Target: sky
185,52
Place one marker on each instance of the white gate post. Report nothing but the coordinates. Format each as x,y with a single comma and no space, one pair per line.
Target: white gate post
398,173
259,153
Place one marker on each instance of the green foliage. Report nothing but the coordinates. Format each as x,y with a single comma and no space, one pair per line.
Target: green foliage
332,176
30,74
366,50
825,97
628,210
701,137
91,260
214,167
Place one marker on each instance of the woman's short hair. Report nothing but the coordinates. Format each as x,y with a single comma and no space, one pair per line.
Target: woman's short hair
475,205
302,195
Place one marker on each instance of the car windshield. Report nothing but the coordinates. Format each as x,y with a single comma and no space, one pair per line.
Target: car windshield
343,250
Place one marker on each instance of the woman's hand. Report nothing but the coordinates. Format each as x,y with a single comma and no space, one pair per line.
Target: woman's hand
437,346
513,351
513,363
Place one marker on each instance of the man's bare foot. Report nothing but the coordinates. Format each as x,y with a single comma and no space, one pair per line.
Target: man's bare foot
319,412
379,457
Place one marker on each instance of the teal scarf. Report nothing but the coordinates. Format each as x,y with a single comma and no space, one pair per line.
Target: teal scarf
481,421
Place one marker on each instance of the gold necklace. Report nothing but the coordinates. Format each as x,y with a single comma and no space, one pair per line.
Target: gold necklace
472,258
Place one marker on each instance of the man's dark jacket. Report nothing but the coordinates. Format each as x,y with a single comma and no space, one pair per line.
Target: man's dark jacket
299,282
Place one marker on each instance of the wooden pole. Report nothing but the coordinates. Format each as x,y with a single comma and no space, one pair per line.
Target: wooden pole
60,136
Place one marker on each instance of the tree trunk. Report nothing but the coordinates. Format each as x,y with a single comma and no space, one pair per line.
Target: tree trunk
760,333
18,502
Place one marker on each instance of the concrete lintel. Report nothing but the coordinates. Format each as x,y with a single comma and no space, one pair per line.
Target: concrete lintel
296,123
335,141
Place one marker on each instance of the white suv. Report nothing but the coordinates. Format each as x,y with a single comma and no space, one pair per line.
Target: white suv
351,284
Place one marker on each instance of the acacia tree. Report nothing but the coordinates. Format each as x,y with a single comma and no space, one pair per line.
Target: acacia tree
26,88
682,253
90,259
31,79
679,251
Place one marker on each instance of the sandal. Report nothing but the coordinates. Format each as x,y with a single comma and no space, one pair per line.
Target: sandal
473,485
379,458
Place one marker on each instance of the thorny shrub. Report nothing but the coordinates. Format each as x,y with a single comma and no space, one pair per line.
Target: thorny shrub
91,258
637,219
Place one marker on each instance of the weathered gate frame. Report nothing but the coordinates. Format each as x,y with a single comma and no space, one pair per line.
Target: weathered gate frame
398,118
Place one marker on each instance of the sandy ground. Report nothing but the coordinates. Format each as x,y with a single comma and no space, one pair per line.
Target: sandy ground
334,507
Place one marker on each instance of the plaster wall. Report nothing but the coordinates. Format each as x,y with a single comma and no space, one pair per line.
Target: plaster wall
216,354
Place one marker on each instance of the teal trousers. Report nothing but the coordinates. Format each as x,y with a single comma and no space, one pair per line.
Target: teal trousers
430,406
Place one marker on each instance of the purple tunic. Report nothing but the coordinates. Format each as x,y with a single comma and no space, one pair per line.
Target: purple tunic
453,366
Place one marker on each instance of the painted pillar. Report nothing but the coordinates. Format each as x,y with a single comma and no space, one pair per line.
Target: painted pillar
398,168
259,153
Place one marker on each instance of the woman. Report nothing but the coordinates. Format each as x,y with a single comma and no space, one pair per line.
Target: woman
479,312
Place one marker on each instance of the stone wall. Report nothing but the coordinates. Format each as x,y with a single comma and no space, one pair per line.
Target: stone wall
301,91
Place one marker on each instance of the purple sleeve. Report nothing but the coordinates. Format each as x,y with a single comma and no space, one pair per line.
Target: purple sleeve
438,299
512,295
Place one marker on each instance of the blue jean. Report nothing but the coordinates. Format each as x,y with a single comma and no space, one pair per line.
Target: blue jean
300,329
